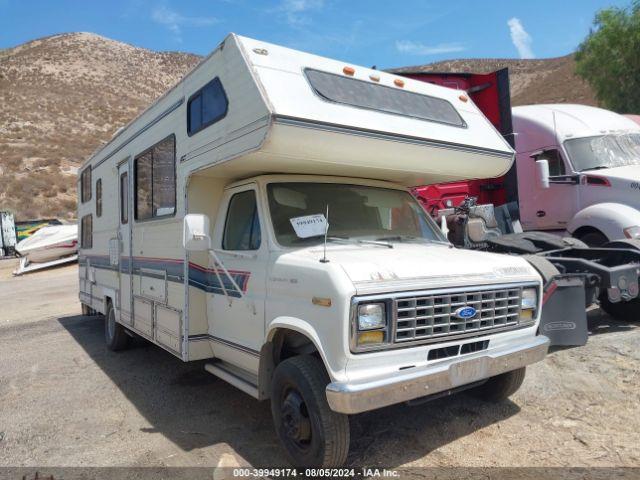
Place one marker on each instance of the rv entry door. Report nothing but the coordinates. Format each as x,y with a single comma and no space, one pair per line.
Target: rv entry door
125,264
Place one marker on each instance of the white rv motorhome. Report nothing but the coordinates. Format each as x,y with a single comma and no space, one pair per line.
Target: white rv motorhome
591,178
257,215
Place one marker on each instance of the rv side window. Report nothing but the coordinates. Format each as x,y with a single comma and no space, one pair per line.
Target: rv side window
99,197
124,198
372,96
556,164
155,181
242,226
86,231
85,185
206,106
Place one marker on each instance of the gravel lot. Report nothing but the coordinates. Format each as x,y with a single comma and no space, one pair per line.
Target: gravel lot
65,400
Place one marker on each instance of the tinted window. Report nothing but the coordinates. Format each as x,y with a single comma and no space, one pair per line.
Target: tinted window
359,93
99,198
242,227
155,180
206,106
124,198
556,164
86,232
85,185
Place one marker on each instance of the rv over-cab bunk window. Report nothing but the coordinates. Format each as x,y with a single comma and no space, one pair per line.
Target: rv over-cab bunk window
373,96
155,180
85,185
86,231
206,106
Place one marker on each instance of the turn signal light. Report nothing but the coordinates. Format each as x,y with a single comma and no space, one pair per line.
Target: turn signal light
369,338
349,71
526,314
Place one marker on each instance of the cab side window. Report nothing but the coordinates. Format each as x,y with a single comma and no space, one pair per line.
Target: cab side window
556,164
242,226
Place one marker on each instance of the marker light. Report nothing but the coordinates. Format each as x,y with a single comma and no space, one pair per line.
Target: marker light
349,71
398,83
632,232
463,98
369,338
375,78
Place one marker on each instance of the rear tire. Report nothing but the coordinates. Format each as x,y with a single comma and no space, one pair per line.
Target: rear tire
594,239
500,387
312,434
115,334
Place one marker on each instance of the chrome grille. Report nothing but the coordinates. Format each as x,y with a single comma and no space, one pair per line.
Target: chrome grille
427,316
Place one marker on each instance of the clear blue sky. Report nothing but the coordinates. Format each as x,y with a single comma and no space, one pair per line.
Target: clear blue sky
385,33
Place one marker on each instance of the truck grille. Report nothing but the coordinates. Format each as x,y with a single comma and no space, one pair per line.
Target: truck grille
426,317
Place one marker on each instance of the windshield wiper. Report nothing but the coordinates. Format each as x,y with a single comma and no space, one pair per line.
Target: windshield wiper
376,242
400,238
599,167
356,241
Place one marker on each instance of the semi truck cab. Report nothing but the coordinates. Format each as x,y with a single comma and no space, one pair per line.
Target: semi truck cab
591,176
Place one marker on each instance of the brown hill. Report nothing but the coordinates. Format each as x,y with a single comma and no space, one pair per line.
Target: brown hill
60,98
549,80
63,96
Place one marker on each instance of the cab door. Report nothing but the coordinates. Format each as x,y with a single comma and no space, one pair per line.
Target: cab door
124,238
546,208
236,308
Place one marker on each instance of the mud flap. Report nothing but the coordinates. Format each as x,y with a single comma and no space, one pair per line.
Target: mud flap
564,318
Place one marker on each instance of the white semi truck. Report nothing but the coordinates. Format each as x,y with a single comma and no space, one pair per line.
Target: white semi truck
578,171
257,215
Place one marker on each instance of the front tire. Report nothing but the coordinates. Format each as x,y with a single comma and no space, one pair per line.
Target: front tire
115,334
313,435
626,311
594,239
501,387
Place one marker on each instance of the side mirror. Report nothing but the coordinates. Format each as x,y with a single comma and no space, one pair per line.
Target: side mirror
542,173
196,233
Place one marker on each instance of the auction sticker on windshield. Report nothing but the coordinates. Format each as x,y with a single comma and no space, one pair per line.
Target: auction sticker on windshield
309,225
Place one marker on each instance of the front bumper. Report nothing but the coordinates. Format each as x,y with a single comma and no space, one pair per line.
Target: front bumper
356,397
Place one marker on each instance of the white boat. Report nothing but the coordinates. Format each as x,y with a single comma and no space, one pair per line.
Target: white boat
49,246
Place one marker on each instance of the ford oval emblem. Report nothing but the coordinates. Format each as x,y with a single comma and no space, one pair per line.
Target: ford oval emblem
465,312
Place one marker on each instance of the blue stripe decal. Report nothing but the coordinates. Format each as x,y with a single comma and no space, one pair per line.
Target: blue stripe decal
199,277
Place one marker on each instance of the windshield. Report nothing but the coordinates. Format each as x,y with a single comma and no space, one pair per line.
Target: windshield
604,151
356,213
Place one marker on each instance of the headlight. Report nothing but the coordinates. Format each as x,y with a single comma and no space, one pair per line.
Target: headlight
529,299
632,232
528,303
371,316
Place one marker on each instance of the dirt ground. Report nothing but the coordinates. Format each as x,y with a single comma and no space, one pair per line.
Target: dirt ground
65,400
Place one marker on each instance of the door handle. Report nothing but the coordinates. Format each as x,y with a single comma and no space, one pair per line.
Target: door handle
540,213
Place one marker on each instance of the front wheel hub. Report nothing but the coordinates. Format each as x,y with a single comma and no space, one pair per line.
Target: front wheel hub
295,418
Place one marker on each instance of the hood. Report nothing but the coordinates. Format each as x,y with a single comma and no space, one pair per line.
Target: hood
623,173
409,266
